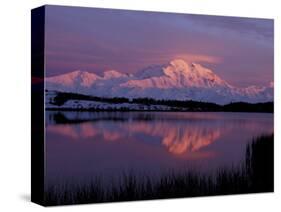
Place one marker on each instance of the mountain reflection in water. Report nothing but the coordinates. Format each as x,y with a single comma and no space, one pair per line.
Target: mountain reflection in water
179,134
86,144
177,138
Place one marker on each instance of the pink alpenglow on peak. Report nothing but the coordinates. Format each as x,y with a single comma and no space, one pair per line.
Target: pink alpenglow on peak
176,80
179,64
74,78
113,74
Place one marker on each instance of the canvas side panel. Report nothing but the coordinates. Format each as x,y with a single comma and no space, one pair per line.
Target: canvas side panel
37,105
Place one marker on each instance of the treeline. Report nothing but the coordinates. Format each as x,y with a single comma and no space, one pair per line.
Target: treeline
187,105
61,98
248,107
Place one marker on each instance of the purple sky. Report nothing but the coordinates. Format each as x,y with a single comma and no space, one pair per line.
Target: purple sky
240,50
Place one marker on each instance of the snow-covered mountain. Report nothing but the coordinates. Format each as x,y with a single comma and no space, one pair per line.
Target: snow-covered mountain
176,80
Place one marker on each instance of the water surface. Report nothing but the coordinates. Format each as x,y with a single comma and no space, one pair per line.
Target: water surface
83,145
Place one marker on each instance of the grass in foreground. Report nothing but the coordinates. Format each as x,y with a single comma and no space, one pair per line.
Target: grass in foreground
254,175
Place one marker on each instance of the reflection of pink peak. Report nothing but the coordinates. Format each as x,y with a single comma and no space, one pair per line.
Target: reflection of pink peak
179,139
64,130
189,142
86,130
112,136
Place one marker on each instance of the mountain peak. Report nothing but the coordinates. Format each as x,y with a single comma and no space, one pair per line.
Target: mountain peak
174,80
78,74
73,73
113,74
179,64
84,78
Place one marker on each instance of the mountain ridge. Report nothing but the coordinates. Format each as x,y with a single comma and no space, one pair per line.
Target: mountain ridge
175,80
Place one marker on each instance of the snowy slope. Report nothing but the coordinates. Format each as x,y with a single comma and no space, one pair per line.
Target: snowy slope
175,80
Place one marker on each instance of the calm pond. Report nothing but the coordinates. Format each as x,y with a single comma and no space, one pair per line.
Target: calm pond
83,145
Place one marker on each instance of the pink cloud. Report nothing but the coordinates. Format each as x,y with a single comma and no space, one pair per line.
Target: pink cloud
199,58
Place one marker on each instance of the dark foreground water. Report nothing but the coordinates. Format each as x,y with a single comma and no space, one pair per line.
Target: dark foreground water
83,146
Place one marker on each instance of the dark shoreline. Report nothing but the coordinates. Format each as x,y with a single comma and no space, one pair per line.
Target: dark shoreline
131,110
148,104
